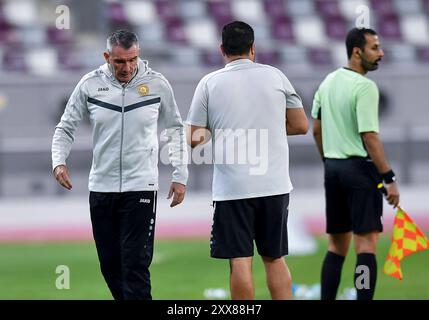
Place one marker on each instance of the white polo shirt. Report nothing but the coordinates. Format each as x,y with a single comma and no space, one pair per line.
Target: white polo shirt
244,106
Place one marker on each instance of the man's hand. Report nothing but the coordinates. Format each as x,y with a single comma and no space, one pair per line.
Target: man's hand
392,195
177,190
61,173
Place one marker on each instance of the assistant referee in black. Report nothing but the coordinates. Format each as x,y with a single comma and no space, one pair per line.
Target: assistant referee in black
345,113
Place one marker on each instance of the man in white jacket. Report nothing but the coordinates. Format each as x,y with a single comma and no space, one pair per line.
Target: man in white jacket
125,101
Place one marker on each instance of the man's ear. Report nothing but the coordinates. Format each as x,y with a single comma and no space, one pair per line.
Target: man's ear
357,52
222,50
106,56
252,49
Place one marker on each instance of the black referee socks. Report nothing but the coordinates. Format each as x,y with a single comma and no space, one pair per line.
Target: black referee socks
331,275
365,276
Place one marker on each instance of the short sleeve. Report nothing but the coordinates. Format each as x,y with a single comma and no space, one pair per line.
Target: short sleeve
293,100
315,110
367,107
197,114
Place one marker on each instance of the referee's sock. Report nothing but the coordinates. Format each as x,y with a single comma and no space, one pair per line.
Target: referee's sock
365,276
331,275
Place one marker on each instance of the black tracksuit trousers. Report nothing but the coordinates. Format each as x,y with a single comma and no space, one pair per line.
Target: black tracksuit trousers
123,226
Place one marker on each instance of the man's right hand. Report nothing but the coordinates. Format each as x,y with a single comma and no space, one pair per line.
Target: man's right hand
392,196
61,173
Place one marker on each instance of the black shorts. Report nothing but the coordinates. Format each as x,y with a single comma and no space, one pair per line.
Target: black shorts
236,223
353,202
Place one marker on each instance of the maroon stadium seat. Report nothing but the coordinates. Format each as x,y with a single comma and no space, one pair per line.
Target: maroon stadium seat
328,8
220,11
212,58
166,9
175,31
423,54
319,56
267,57
336,27
68,59
14,60
57,36
426,4
281,29
389,28
383,7
115,13
274,8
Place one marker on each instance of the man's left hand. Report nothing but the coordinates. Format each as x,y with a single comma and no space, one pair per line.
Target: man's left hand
177,190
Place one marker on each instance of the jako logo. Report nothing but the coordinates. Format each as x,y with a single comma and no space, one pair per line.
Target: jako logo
103,89
144,200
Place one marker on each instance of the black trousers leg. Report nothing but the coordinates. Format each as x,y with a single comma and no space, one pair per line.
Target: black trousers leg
106,230
137,212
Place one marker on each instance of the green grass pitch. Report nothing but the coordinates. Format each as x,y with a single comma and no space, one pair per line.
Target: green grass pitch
181,269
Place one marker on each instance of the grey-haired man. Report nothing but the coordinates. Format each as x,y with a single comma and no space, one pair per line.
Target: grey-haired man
125,101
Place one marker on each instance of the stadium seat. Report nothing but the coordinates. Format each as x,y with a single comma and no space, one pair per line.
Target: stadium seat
7,34
415,29
192,9
266,56
328,8
220,11
309,31
175,31
408,6
383,7
212,58
201,33
388,27
348,8
274,8
426,4
338,53
335,27
21,13
282,29
400,53
69,59
185,56
59,36
319,56
115,13
166,9
139,12
151,34
250,11
263,35
293,55
423,54
42,61
14,60
298,8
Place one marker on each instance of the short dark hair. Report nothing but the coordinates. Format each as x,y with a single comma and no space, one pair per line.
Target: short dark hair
237,38
356,38
123,38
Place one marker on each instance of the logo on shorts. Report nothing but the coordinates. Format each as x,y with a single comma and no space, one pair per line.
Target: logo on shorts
144,200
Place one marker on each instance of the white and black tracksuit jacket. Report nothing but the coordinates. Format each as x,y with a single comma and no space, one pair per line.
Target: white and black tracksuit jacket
124,120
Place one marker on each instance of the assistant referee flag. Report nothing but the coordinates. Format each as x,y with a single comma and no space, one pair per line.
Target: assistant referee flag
407,238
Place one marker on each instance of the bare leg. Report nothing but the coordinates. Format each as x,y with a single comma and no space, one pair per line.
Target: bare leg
279,280
241,280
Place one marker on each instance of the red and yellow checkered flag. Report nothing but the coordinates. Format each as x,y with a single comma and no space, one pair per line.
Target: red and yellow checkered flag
407,238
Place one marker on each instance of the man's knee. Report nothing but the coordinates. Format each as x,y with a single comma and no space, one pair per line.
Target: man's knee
366,242
241,264
339,243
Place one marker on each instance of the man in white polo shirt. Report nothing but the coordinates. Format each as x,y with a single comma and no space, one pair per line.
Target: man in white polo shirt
249,109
